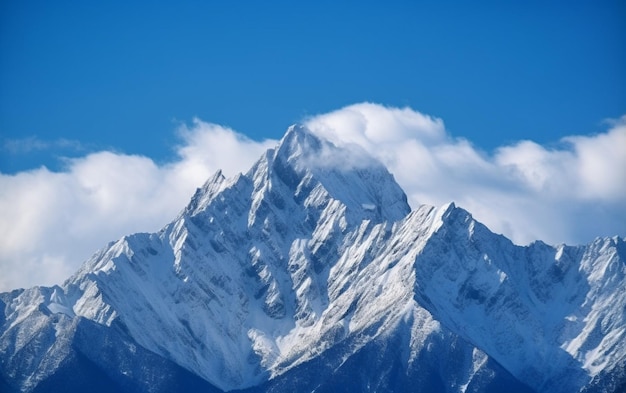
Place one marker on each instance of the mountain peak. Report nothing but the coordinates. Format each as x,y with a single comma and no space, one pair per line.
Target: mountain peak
298,130
298,143
347,173
303,163
309,270
304,150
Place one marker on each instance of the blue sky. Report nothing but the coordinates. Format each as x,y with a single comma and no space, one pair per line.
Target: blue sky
112,113
123,75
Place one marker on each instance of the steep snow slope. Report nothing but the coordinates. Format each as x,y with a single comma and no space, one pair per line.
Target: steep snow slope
552,316
299,272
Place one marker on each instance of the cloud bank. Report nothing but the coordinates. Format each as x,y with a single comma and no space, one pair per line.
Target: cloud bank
50,222
569,193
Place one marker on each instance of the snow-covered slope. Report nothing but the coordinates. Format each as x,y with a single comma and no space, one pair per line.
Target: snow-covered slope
310,272
552,316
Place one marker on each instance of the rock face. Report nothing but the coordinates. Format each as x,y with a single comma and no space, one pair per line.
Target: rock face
311,272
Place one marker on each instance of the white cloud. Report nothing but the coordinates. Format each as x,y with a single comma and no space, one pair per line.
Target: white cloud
526,191
32,143
50,222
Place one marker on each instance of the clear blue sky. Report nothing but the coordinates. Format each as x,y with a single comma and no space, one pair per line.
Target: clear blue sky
122,75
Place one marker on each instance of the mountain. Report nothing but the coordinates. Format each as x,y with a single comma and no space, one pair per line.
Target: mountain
311,273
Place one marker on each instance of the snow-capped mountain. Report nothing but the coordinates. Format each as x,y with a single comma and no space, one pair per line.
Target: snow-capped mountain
311,273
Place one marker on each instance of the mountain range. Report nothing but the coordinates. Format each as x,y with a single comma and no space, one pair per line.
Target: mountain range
311,272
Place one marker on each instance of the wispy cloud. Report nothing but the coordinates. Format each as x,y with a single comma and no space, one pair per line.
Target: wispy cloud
35,144
50,222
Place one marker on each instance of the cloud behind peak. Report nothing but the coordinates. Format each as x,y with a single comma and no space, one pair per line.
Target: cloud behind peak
50,222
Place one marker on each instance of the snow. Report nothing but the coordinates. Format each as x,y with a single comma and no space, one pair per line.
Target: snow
58,304
269,269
